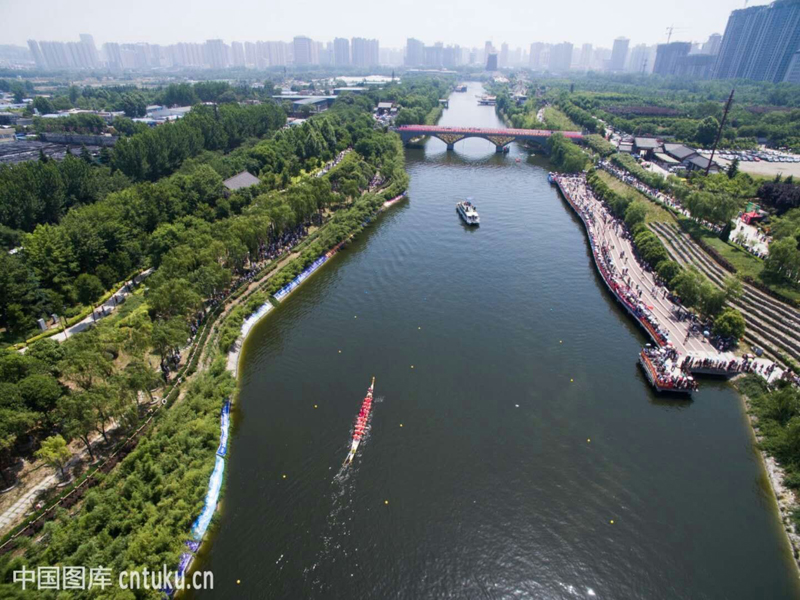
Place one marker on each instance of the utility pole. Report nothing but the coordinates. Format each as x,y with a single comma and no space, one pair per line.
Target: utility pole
719,132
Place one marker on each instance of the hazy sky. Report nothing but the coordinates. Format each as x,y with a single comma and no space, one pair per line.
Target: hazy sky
467,22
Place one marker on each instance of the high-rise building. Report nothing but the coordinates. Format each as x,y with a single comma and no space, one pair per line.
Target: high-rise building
793,72
535,59
250,54
504,54
585,60
712,44
669,57
237,54
38,57
276,54
90,50
560,57
415,53
365,53
216,54
639,60
341,52
451,57
760,42
491,61
303,50
695,66
619,54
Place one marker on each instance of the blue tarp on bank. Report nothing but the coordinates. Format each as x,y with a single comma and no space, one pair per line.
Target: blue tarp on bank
289,288
200,526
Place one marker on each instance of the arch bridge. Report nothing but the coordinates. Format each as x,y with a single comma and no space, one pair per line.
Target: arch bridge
499,137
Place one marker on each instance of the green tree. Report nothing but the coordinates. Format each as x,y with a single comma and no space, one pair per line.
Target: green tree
733,168
635,213
707,131
40,392
15,422
174,298
89,288
43,105
784,259
78,419
668,270
55,453
712,299
688,286
169,335
783,404
730,324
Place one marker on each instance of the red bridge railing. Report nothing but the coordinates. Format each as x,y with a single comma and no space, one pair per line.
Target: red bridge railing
434,129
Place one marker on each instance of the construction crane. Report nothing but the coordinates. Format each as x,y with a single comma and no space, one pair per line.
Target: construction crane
719,131
670,30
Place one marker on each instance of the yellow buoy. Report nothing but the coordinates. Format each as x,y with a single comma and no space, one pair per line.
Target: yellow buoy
340,351
284,476
572,380
315,406
401,424
238,581
560,341
588,440
419,327
412,366
386,502
612,521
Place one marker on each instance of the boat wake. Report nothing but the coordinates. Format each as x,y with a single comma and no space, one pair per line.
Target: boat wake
333,554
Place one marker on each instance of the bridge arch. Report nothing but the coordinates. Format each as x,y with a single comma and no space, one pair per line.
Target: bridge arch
499,137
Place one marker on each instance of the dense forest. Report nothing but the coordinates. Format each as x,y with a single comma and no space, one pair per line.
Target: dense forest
201,241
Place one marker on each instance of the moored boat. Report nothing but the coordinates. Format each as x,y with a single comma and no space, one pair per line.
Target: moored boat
362,423
663,374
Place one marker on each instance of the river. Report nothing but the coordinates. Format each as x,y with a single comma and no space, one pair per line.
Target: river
516,449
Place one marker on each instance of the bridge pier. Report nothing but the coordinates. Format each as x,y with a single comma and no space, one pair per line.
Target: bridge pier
451,147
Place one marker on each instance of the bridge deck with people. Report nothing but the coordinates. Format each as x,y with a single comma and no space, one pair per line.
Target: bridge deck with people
499,137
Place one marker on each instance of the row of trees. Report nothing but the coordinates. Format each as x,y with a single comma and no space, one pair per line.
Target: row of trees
694,288
61,264
143,509
417,98
566,155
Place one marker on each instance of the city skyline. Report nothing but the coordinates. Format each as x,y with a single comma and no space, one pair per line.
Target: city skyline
600,27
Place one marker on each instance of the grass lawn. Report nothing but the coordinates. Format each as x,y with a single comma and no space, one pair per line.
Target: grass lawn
655,213
555,119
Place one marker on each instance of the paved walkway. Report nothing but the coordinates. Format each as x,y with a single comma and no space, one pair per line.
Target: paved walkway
25,503
105,309
609,236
